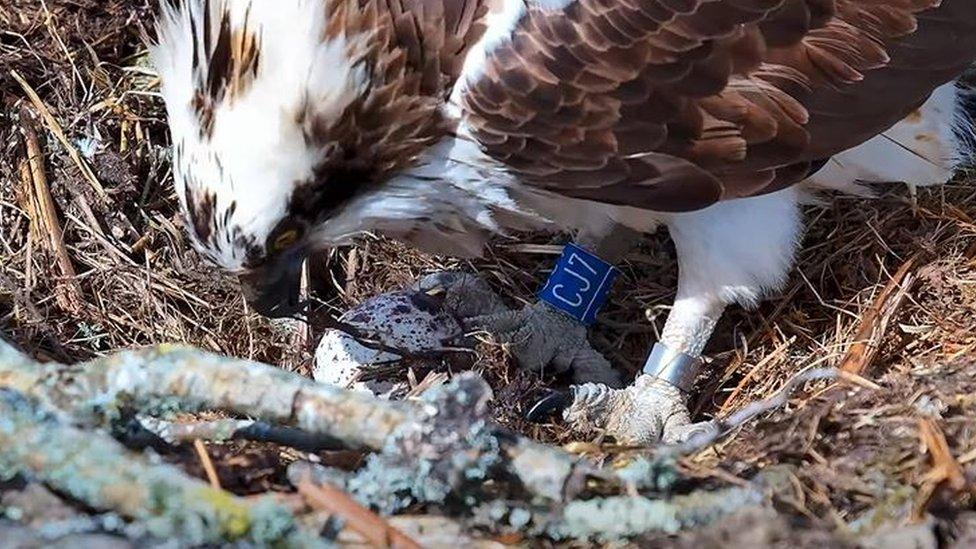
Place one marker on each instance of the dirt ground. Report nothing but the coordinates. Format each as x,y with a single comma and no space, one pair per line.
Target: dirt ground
885,288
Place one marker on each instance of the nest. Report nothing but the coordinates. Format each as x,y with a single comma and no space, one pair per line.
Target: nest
94,260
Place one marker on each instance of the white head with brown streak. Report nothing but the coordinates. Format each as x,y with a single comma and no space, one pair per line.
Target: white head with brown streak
288,118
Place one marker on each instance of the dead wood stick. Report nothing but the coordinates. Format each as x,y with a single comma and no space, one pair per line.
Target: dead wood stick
171,377
352,271
222,430
739,418
366,523
619,517
740,387
28,203
95,469
946,469
207,463
68,294
614,518
58,132
875,321
302,336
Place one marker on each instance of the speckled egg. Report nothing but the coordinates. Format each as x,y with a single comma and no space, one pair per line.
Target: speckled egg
411,321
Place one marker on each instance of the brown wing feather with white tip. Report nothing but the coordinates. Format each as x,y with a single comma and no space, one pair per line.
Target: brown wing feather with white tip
415,50
673,105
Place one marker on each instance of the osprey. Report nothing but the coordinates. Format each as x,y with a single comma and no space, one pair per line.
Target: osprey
301,124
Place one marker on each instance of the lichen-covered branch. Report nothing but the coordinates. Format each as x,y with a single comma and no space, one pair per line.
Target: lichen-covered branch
173,378
94,468
223,430
442,450
620,517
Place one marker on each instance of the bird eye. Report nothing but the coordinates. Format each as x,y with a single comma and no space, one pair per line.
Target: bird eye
285,240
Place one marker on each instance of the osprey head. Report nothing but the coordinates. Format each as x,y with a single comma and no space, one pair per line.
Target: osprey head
285,117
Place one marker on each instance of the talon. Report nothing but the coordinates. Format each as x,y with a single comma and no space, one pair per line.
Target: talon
553,403
647,412
591,396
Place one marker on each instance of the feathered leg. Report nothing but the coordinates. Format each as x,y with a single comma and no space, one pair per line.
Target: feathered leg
734,252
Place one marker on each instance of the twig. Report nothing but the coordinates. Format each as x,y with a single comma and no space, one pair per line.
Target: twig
208,465
875,321
28,202
69,294
352,268
168,376
366,523
433,379
618,517
968,457
778,400
222,430
746,379
946,470
302,336
55,128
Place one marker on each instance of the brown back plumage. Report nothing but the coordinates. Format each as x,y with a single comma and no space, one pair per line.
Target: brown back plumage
433,36
675,104
415,51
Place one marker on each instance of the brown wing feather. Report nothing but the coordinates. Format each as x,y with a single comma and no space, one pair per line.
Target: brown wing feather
436,35
675,104
939,46
414,53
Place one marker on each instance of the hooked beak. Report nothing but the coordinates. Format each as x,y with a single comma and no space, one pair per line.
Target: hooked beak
274,289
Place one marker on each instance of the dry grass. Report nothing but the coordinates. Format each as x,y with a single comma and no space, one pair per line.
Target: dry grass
139,283
136,281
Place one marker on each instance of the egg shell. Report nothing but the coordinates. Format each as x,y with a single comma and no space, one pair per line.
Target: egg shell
410,321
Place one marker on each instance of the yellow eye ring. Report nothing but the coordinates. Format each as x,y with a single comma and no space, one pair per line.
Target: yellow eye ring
286,239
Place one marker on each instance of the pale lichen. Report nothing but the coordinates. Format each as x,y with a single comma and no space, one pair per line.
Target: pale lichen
92,467
450,450
657,472
621,517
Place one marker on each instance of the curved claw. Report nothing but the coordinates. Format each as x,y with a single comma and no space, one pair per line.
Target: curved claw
553,403
647,412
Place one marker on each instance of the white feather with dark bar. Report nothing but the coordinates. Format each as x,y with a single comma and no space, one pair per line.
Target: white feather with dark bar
244,166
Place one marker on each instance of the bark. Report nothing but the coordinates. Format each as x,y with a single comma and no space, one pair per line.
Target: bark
224,430
179,379
94,468
168,379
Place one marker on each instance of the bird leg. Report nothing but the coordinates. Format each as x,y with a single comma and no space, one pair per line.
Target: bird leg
541,337
654,407
733,252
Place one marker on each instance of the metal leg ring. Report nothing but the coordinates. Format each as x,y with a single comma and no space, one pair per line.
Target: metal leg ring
673,366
